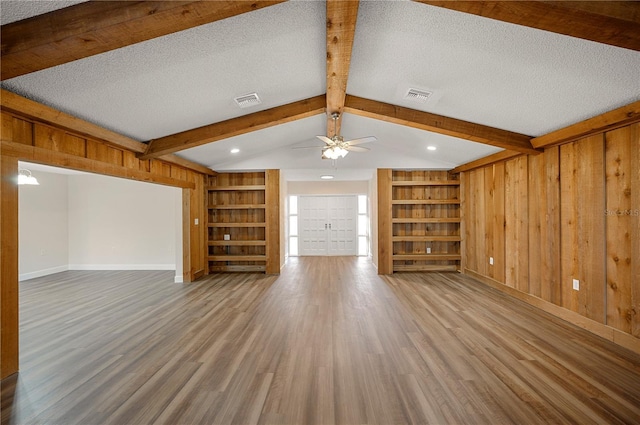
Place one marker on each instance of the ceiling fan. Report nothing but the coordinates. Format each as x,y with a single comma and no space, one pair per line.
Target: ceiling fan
336,147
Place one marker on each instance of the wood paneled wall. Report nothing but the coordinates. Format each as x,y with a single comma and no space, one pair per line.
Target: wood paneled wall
572,212
22,139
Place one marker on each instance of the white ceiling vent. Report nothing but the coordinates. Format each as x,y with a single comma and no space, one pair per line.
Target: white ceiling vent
248,100
417,95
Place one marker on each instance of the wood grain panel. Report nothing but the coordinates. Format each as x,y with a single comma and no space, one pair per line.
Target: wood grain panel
29,111
385,226
621,217
22,132
583,242
537,215
516,224
489,214
9,335
498,222
480,223
59,159
634,231
569,196
48,138
487,160
272,202
551,285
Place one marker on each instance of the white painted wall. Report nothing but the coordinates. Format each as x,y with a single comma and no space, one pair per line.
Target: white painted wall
43,226
117,224
92,222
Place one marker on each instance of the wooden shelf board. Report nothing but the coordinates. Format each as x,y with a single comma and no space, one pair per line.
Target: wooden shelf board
426,257
237,225
425,183
237,257
425,268
426,220
237,243
244,187
238,207
426,238
425,202
237,268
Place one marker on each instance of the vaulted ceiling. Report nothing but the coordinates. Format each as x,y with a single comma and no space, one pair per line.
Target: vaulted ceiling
167,73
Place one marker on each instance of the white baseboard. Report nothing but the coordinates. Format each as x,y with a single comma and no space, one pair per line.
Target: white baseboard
178,279
44,272
122,266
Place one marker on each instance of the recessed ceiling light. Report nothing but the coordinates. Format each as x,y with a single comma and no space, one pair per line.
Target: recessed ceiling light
235,150
431,148
326,177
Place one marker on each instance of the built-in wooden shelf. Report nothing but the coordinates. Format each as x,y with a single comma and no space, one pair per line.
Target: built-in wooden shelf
237,243
424,268
238,207
237,257
425,183
243,269
243,230
419,211
237,224
236,188
426,238
430,257
427,220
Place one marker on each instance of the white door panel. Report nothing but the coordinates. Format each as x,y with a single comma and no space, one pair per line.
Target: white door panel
327,225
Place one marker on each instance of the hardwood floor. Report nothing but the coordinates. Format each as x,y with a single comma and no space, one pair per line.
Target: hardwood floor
327,342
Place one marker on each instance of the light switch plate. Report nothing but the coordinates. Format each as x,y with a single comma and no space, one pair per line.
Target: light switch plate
227,237
576,284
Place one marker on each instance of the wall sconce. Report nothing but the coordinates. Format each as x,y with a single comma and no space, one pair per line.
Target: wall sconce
25,177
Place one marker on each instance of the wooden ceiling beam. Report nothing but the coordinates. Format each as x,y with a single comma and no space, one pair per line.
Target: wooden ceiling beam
235,127
341,28
37,112
95,27
439,124
616,23
620,117
487,160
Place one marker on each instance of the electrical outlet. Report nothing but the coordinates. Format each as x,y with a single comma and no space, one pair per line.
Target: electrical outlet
428,250
196,221
491,261
227,237
576,284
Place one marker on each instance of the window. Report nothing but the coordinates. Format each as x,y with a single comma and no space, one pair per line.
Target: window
363,226
293,225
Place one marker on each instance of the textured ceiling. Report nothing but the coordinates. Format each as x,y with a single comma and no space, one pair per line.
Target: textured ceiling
482,71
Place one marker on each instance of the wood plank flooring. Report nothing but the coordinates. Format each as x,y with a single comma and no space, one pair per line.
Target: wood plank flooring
326,342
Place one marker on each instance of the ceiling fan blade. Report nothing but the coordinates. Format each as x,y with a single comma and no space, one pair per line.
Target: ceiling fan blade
362,140
325,139
357,149
309,147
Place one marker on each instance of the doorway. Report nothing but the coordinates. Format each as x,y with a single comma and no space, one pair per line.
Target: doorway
327,225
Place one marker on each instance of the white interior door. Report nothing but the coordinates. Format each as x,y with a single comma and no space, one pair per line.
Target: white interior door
312,225
327,225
